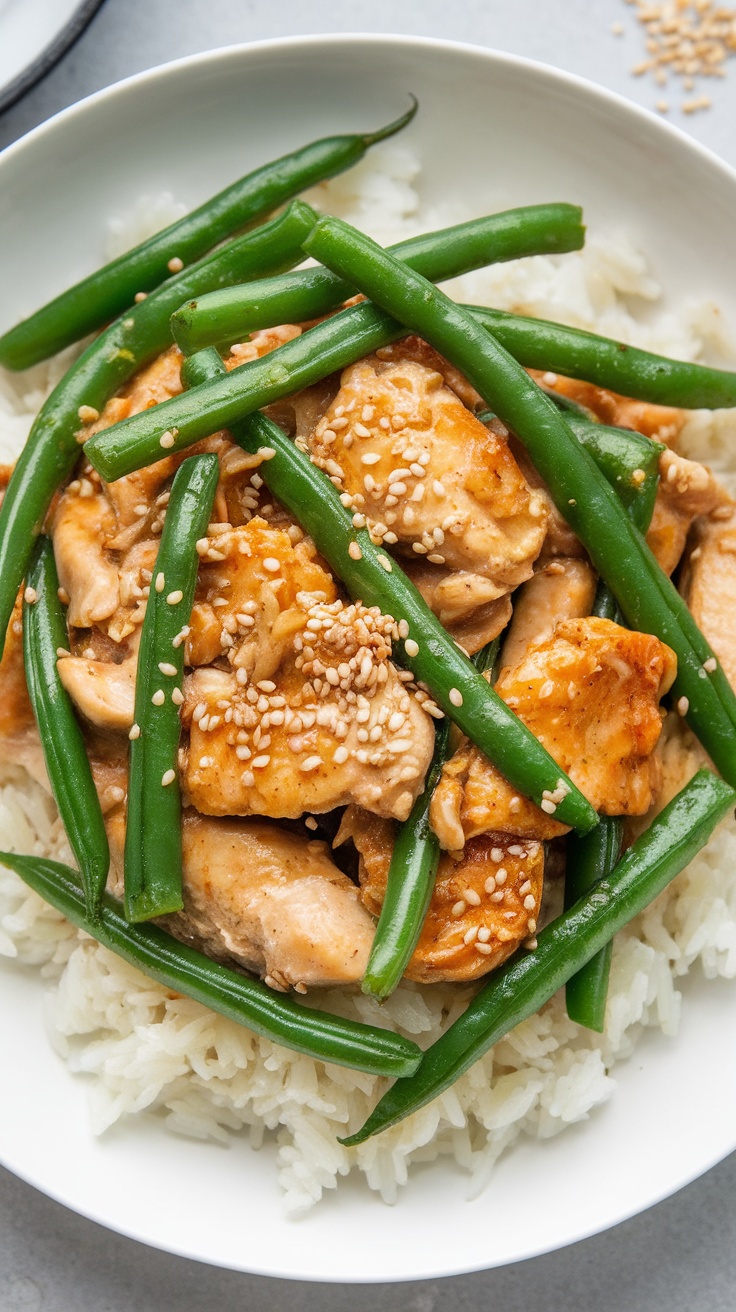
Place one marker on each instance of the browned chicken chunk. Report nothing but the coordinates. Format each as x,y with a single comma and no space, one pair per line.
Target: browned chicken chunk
590,693
483,907
427,475
312,714
709,587
270,900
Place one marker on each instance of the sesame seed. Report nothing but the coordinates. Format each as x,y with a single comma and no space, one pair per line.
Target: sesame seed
411,647
456,697
168,669
260,762
370,458
385,562
311,763
134,732
175,597
88,414
361,431
683,706
62,651
271,564
247,778
175,264
341,755
30,596
470,934
490,884
484,934
711,664
549,807
529,902
166,440
458,908
140,296
501,875
168,778
177,696
485,948
160,582
355,552
159,697
472,898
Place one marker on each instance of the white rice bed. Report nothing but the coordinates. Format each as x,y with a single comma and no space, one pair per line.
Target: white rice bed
207,1077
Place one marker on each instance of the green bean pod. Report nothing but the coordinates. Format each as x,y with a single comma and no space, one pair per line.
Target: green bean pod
541,344
109,361
246,1001
334,344
409,886
67,764
589,860
228,315
578,489
521,986
432,656
153,843
109,291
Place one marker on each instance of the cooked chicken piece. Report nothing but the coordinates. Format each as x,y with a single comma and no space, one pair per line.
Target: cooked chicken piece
102,691
334,724
429,477
473,798
16,714
483,907
590,694
462,603
82,523
416,349
559,538
708,585
563,589
269,900
312,714
686,490
246,601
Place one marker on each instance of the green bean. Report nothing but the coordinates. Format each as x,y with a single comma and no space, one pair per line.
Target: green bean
227,315
526,982
246,1001
110,290
578,489
153,843
427,650
540,344
53,448
589,860
67,764
329,346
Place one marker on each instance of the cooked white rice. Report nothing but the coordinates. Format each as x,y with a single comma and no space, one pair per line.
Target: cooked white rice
205,1076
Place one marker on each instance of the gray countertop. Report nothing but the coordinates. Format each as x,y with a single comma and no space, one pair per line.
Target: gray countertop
680,1256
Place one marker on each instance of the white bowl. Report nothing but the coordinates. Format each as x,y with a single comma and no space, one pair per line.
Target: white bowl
502,131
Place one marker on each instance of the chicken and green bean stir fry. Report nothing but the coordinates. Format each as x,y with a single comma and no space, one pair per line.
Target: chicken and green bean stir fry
341,619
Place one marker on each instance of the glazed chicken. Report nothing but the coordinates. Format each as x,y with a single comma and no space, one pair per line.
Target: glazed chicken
293,706
590,694
427,475
483,906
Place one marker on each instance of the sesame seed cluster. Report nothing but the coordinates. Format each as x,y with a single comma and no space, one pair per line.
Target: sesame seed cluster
689,39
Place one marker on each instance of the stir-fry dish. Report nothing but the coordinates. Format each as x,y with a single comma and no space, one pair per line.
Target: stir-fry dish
341,619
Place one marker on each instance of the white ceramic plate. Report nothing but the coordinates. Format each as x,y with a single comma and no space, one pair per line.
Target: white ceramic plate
34,34
504,132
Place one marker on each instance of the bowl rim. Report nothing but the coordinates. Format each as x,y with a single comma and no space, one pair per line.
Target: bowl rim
332,41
